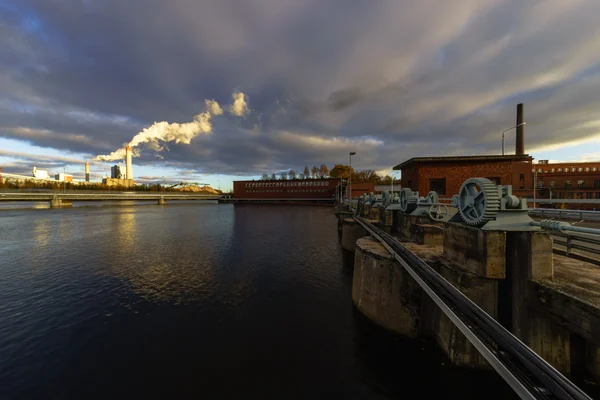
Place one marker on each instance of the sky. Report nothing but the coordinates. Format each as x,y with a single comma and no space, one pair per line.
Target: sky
387,79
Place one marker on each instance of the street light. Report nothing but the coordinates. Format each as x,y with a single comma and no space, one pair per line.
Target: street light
508,129
352,153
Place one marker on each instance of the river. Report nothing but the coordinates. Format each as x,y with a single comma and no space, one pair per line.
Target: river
198,300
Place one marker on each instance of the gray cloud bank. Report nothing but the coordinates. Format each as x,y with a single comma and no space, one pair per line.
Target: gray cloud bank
388,79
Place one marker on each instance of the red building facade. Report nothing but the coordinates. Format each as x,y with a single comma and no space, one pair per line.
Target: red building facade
445,175
286,189
568,180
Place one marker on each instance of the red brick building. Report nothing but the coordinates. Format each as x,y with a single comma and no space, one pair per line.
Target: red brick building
568,180
445,175
286,189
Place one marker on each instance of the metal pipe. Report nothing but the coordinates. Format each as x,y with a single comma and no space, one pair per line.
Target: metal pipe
559,226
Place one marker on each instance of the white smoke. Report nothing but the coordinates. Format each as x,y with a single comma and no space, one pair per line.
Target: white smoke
169,132
239,106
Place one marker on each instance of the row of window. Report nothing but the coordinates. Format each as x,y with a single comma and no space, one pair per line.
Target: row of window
580,169
286,184
578,195
568,183
312,190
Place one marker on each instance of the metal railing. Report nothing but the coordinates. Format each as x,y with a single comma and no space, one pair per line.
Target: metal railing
584,215
571,243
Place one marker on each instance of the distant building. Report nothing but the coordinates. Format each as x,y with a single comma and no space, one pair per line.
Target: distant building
40,173
115,172
63,177
300,189
568,180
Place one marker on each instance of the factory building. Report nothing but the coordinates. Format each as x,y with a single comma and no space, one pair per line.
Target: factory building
87,171
119,177
63,177
40,173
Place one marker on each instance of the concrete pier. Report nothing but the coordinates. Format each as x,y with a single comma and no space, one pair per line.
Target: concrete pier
59,203
351,232
161,201
383,290
419,229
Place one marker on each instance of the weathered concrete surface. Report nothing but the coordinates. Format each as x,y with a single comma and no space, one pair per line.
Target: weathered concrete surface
351,232
481,252
572,298
409,227
434,322
383,290
428,234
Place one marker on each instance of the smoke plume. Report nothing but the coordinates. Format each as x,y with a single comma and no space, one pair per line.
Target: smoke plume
163,132
239,106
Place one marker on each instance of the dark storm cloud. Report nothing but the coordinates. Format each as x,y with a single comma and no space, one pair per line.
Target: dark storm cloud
390,79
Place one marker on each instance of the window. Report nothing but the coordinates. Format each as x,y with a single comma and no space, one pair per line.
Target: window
553,170
438,185
580,183
552,183
522,176
539,170
597,183
594,169
597,195
587,169
567,184
588,195
566,169
496,180
560,170
540,184
580,169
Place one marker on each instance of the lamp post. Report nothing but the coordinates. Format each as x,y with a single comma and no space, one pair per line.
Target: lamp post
508,129
350,180
163,185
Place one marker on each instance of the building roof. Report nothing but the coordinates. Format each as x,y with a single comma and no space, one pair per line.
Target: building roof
512,157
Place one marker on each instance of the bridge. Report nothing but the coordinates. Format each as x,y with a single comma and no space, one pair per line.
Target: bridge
59,199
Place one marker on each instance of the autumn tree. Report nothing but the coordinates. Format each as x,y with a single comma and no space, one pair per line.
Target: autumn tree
367,175
265,177
306,172
283,176
273,176
314,171
323,171
301,176
342,171
292,174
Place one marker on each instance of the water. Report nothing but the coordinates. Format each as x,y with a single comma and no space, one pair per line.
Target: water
198,300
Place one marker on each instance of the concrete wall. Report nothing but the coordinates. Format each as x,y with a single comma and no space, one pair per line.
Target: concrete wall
383,290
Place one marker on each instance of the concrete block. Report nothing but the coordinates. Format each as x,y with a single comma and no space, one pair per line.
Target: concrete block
429,235
549,340
484,292
592,360
407,226
541,259
383,291
481,252
351,232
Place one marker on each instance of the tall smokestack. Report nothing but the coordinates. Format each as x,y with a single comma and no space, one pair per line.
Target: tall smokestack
520,144
87,171
128,168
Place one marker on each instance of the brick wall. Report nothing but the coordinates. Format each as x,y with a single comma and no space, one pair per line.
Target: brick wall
515,173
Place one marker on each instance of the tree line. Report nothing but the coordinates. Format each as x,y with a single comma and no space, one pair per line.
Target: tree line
338,171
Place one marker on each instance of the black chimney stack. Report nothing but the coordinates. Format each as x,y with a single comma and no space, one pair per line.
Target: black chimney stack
520,144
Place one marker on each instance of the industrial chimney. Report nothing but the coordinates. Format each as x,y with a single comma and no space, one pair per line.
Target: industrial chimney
128,168
520,144
87,171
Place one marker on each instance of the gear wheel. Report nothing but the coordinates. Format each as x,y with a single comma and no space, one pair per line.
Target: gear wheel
478,201
386,199
433,197
408,200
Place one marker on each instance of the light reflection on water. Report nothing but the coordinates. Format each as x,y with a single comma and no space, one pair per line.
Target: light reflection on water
222,301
